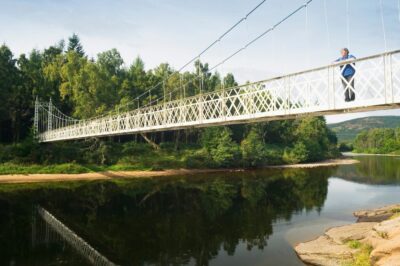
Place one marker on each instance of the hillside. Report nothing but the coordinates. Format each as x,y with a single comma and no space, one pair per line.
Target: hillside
347,130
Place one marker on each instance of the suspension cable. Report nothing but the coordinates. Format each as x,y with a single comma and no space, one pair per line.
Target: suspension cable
263,34
383,24
327,25
307,37
348,23
398,7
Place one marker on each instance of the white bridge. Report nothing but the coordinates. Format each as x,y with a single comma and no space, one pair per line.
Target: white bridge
313,92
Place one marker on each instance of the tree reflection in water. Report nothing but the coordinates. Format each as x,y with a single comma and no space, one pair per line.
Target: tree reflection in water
372,170
164,221
178,220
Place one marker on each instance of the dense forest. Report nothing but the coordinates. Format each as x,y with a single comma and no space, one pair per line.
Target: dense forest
379,141
84,87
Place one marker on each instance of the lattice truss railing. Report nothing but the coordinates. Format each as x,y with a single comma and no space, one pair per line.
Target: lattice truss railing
312,92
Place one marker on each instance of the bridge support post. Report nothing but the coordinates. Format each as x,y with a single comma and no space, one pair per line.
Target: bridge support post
224,110
388,72
50,116
36,118
287,95
331,88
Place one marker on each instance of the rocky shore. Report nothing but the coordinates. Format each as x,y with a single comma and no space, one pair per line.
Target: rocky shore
373,240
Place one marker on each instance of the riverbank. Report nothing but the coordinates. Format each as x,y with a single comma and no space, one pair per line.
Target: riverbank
373,240
369,154
106,175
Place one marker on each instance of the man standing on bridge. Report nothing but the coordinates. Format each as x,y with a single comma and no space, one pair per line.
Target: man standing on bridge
348,72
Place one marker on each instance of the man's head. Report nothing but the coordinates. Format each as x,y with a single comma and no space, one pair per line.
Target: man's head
344,52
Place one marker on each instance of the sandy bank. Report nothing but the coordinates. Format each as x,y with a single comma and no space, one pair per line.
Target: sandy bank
31,178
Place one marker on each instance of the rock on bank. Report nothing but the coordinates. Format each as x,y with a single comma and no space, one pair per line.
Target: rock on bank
373,240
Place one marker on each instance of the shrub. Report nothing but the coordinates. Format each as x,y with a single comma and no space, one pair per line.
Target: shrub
252,149
218,143
297,154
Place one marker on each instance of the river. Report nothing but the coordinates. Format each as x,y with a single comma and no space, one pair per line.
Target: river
233,218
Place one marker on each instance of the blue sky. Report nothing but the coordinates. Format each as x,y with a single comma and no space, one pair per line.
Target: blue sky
175,30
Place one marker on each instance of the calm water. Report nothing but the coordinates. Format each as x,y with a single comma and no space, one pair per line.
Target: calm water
242,218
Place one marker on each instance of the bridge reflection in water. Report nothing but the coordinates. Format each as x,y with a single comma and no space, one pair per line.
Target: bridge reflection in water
48,229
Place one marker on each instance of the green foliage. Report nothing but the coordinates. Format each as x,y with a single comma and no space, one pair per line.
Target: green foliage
378,140
253,149
354,244
218,143
345,147
361,257
298,154
65,168
74,44
313,138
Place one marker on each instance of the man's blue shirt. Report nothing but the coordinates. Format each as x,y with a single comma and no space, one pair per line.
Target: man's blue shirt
348,69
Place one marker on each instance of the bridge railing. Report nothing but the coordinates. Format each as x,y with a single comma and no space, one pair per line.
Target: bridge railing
313,92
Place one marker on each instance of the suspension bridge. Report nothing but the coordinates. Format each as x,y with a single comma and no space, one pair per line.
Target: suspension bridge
313,92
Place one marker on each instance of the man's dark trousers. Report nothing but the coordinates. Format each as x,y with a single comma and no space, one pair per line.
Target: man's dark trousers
348,85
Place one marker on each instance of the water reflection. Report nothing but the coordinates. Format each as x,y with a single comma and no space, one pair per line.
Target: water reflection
220,219
372,170
179,220
48,229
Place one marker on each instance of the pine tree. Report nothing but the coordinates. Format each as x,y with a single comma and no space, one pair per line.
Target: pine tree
74,44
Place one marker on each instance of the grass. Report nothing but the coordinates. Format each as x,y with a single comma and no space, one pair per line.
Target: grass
394,216
133,158
65,168
396,213
354,244
69,168
383,235
155,160
361,257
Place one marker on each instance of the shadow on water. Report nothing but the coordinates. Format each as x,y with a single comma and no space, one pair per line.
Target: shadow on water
162,221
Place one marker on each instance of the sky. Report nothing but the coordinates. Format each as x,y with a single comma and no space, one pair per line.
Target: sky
175,31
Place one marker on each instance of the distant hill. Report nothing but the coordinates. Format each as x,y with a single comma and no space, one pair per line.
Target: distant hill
348,130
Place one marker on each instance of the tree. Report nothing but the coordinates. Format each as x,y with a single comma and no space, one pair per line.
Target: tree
298,154
110,62
378,140
12,96
253,149
74,44
218,143
313,134
229,81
